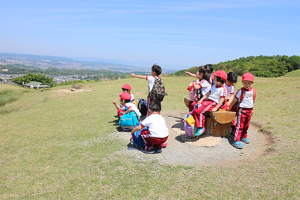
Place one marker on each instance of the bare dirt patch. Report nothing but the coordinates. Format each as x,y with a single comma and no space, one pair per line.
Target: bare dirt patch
181,152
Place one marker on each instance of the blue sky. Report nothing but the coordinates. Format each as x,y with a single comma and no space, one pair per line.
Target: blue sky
179,33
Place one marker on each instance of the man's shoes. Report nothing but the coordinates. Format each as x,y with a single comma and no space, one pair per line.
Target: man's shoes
200,131
245,140
237,144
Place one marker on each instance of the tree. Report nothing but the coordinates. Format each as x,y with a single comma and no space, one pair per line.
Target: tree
295,62
222,67
34,77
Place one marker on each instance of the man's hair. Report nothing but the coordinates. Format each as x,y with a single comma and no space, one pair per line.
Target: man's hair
155,106
206,73
127,100
232,77
157,69
220,80
124,90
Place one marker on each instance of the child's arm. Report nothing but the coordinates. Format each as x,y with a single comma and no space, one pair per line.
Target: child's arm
253,109
230,99
138,76
129,110
117,106
136,129
232,103
190,74
196,86
219,105
204,97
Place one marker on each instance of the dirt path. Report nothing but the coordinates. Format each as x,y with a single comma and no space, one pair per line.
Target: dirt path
179,152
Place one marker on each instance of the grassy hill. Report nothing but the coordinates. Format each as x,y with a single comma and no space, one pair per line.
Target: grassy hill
57,145
295,73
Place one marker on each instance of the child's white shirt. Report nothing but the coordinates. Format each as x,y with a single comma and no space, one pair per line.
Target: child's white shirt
156,125
229,90
151,81
247,100
132,97
205,86
135,109
216,93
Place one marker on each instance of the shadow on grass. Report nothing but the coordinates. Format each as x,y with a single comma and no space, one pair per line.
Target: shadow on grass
116,124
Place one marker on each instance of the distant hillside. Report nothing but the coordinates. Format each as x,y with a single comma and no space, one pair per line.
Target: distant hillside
295,73
44,62
261,66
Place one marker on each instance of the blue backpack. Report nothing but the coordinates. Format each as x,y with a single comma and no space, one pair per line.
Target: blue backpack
137,138
142,106
129,120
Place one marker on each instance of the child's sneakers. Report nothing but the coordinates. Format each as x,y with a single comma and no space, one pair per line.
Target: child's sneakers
164,145
148,151
245,140
200,131
237,144
158,150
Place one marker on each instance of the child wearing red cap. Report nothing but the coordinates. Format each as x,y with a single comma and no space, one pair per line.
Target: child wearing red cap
127,88
246,99
211,101
127,106
155,72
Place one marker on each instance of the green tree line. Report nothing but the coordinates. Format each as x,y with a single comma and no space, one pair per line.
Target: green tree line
34,77
262,66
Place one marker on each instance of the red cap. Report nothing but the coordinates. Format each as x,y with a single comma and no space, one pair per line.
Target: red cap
126,86
221,74
248,77
125,96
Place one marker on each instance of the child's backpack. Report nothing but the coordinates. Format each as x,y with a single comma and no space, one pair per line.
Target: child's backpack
195,95
243,93
137,138
142,106
158,91
128,120
189,125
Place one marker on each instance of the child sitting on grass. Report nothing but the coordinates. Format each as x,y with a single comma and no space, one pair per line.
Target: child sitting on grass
157,133
127,88
199,87
246,97
211,101
155,72
127,106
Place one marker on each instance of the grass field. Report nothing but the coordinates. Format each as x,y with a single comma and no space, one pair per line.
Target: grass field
57,145
295,73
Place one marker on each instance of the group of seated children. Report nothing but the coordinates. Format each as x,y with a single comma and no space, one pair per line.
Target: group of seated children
208,93
156,134
208,96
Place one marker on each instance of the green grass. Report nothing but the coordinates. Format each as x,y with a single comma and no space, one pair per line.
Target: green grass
57,145
8,96
295,73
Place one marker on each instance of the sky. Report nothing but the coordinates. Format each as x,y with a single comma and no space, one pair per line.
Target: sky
178,33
